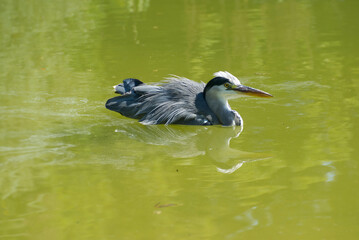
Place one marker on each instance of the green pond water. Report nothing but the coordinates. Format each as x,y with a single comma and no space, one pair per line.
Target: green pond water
71,169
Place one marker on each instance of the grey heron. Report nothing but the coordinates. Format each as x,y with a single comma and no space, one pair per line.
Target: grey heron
182,101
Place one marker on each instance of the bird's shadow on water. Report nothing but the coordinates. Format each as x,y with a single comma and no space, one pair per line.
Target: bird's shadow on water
211,142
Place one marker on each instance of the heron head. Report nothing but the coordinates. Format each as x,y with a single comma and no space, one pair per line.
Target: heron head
228,86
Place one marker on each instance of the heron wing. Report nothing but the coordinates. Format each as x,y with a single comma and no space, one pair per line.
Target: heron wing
177,100
128,103
173,103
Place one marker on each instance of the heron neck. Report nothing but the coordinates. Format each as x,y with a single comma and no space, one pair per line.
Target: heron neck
219,105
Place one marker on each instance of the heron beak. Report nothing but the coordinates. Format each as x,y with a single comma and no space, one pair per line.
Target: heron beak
251,91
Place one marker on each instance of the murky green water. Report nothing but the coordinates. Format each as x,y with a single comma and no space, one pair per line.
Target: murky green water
70,169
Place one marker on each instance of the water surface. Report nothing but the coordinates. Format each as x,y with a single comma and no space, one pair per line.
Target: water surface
70,169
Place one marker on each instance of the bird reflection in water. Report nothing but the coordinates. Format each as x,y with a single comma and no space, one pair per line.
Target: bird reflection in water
189,141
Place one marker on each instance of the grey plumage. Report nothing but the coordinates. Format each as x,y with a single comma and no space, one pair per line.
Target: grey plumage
177,100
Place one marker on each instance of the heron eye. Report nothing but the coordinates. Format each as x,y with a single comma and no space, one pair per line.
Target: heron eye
227,85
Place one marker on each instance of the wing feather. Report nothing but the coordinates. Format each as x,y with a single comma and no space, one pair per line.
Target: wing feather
175,100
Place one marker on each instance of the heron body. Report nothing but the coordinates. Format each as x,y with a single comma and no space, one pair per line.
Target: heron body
182,101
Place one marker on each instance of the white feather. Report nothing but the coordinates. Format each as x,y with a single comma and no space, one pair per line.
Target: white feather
227,75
